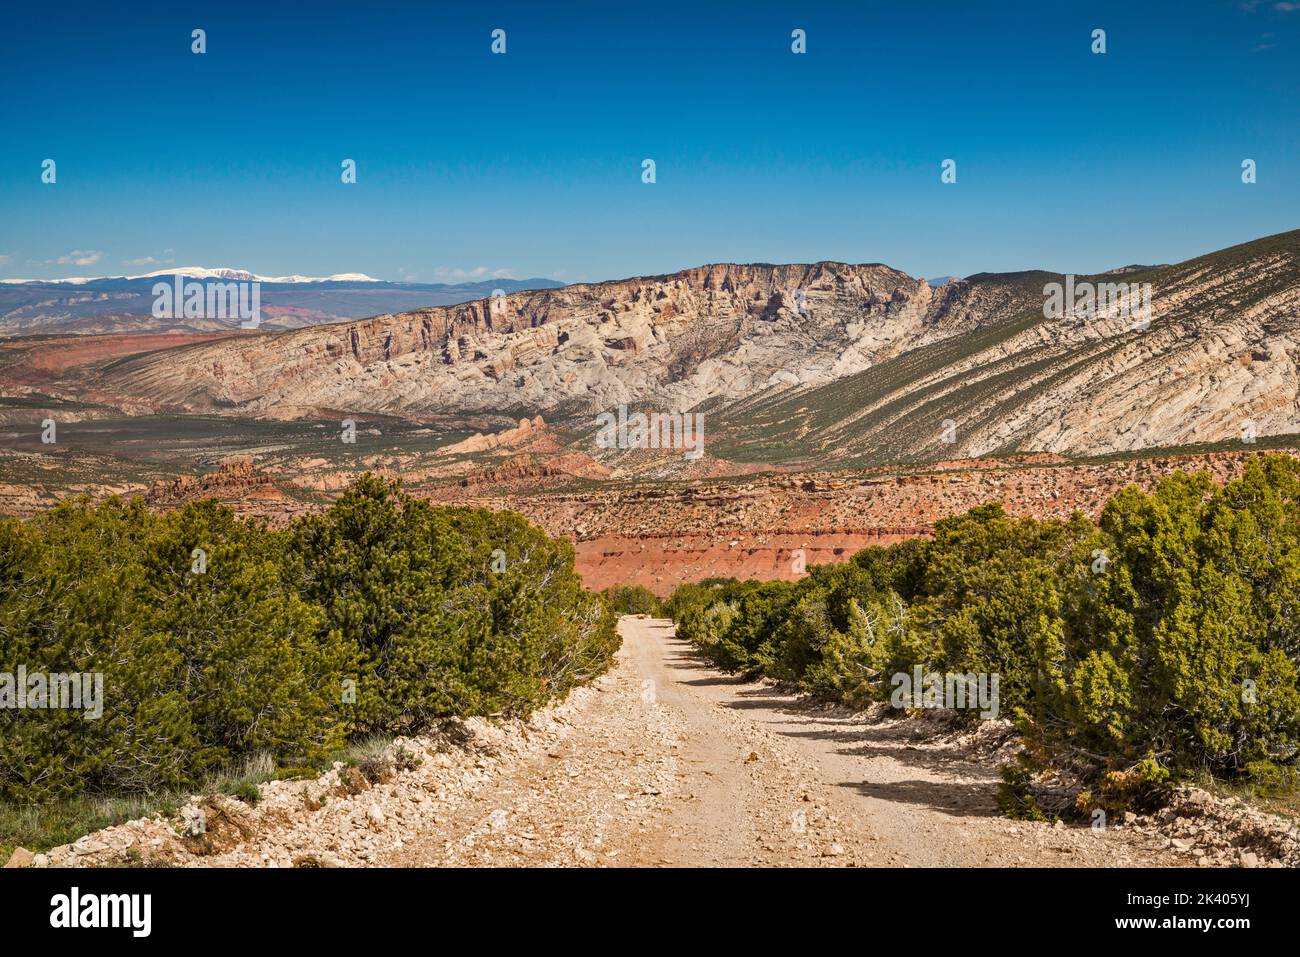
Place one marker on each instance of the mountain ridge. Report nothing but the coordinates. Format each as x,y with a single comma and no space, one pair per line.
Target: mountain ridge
795,363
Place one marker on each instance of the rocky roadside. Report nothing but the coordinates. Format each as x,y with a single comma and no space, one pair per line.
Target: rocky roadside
348,817
1212,831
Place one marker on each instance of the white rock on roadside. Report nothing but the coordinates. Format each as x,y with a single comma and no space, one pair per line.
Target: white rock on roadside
21,857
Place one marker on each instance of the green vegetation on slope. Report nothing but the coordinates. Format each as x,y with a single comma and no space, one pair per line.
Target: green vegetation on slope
1162,641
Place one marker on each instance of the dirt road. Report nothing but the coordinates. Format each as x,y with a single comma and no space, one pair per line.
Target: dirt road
674,763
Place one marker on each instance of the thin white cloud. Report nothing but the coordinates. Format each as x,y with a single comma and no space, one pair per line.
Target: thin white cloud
1286,6
78,257
4,259
454,274
152,260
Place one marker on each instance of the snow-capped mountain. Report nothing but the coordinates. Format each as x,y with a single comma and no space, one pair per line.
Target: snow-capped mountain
126,303
202,272
243,275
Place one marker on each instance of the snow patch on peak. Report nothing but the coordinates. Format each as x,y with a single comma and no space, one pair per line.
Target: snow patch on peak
202,272
243,275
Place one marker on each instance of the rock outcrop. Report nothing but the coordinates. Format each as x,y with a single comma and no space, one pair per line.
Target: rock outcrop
236,478
526,430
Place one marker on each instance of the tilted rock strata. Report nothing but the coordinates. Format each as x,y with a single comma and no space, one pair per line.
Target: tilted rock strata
1218,361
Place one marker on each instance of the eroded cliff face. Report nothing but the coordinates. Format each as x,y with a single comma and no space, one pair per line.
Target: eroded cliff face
773,527
713,332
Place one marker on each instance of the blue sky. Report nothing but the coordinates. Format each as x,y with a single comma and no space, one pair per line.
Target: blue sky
528,164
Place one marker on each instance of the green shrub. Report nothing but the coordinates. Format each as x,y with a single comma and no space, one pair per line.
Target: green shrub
1272,779
249,658
854,665
1162,640
899,567
729,621
248,792
995,598
692,595
1189,650
199,670
453,611
837,616
633,600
